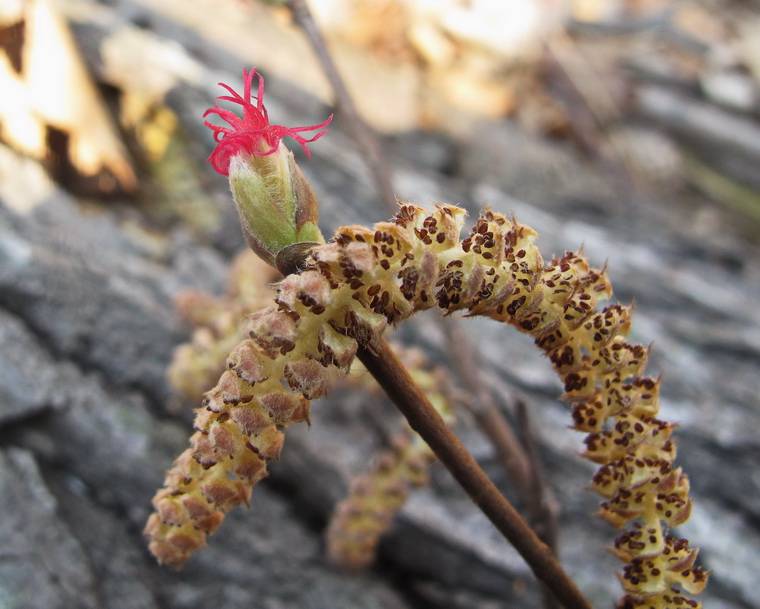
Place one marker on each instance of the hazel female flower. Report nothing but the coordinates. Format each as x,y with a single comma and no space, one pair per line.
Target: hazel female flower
251,134
277,207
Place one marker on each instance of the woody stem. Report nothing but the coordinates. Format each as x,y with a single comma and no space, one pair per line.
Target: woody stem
376,162
395,380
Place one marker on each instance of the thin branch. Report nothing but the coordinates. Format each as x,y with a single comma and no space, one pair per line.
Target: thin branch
375,159
603,113
383,364
488,417
520,459
543,509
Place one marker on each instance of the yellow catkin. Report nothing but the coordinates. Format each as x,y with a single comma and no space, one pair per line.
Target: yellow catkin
366,513
360,520
197,365
367,278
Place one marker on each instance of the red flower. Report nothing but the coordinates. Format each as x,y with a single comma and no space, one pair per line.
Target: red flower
252,133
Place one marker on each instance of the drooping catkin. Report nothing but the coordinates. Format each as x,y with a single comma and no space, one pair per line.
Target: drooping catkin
360,520
270,380
197,365
369,277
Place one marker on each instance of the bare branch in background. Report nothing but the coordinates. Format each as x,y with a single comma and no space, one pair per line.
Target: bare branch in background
365,140
520,459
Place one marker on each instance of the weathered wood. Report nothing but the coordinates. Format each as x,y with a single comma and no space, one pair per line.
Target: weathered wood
51,109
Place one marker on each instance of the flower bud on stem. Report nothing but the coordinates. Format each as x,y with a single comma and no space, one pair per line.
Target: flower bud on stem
276,203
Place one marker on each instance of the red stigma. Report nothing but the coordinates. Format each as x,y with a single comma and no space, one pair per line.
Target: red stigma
251,133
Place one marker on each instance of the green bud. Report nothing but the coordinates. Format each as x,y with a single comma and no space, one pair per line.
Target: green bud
276,203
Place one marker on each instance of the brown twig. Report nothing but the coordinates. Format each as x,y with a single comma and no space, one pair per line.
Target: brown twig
383,364
362,135
543,508
488,417
520,459
595,111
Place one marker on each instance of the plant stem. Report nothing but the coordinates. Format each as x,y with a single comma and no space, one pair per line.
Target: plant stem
375,159
487,415
383,364
542,509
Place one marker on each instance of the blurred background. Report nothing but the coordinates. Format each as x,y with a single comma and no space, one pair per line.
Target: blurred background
631,127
